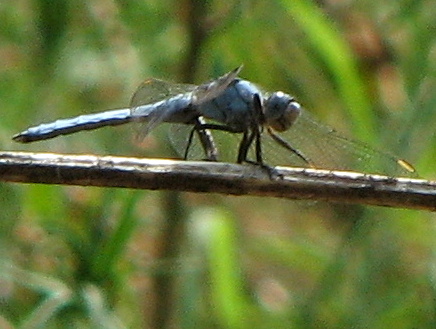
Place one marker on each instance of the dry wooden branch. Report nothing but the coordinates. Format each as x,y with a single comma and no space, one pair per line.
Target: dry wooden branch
215,177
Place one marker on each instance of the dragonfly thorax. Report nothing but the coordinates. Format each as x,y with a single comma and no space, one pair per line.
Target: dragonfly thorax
281,111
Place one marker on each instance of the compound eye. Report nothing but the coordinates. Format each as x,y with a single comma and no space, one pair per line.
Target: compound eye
287,118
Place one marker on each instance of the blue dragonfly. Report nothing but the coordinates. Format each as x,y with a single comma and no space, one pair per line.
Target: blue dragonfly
275,128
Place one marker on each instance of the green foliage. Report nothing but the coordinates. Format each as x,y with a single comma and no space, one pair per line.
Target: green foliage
105,258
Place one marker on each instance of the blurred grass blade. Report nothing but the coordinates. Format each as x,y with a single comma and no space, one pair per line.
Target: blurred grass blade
117,242
226,281
55,294
331,47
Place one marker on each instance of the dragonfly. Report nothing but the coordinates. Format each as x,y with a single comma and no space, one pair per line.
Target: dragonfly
274,126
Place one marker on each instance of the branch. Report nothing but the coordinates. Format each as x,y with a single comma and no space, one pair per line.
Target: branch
216,177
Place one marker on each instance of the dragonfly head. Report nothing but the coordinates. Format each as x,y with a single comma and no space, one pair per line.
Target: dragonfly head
281,111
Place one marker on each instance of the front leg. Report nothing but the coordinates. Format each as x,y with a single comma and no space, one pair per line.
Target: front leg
283,143
257,129
258,126
244,146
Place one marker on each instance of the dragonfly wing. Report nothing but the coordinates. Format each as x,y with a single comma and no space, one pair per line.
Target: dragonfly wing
148,102
214,88
326,148
155,90
151,103
178,135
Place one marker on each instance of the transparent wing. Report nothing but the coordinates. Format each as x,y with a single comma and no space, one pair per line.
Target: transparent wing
155,90
325,148
148,102
214,88
178,135
156,101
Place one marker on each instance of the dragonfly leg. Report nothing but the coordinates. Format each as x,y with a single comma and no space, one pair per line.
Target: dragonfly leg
259,157
247,140
257,127
213,126
289,147
203,130
206,140
255,134
244,146
248,137
188,146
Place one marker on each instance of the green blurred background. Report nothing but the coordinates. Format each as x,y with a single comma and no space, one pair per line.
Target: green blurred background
75,257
